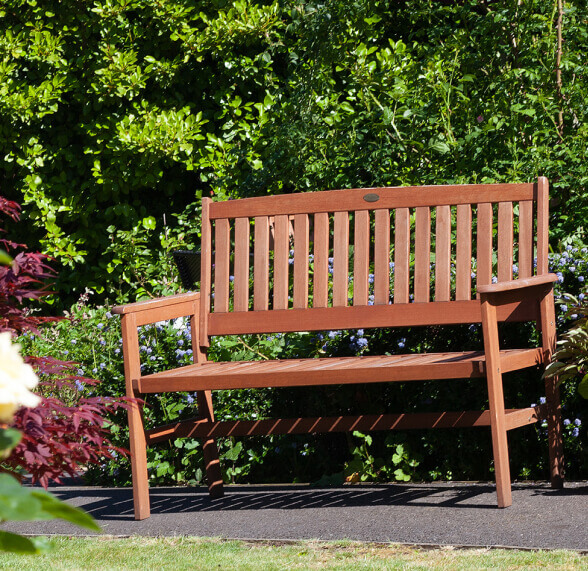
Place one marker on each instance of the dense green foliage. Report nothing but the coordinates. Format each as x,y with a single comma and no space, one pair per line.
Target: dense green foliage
116,116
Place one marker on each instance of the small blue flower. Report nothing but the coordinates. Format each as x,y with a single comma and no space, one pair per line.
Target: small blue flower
542,400
362,342
578,422
100,326
117,351
79,386
564,307
401,343
102,365
566,422
576,432
360,332
580,278
108,315
190,399
81,372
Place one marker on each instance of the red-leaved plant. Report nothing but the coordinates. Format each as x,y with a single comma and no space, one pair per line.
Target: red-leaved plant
57,439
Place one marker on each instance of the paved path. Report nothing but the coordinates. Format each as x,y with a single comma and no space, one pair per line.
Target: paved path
429,514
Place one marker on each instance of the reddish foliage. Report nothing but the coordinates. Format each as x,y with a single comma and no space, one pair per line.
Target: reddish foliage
57,439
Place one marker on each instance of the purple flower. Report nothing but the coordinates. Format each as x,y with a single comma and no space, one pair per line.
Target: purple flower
576,432
578,422
566,422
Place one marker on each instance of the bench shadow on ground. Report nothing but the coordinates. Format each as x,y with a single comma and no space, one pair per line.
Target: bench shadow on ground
117,503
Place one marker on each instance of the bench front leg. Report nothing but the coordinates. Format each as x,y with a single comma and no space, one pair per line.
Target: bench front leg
137,440
496,404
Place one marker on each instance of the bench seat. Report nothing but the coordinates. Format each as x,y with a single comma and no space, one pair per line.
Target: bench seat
332,370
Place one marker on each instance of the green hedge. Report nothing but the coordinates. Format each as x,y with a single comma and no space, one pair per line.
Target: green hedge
116,116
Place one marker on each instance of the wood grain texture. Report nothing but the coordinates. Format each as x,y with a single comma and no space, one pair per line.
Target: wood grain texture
505,241
281,265
542,226
382,257
484,242
242,253
401,255
222,245
321,260
361,257
526,235
261,263
341,259
422,255
352,199
463,255
443,254
301,245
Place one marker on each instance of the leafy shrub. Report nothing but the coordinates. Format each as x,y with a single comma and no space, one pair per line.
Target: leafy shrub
64,432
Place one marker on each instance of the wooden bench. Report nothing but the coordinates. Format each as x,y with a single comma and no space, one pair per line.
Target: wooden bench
363,233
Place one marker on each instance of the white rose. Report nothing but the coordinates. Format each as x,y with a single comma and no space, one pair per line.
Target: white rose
16,379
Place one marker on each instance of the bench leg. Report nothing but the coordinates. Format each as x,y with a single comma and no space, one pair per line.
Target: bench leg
554,427
211,457
496,402
138,445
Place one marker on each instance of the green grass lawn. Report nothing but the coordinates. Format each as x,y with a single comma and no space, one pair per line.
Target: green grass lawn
105,553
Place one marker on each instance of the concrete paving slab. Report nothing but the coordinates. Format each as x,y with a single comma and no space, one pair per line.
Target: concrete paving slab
460,514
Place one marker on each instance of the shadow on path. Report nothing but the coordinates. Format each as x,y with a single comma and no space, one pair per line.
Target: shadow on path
117,503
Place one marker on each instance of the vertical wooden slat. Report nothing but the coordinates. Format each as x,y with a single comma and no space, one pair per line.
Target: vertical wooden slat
443,253
321,260
463,256
281,266
241,283
422,254
484,244
382,257
205,271
301,260
401,255
222,244
542,225
361,257
341,259
525,260
261,263
505,241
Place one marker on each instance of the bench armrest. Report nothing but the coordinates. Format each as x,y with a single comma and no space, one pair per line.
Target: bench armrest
161,308
517,285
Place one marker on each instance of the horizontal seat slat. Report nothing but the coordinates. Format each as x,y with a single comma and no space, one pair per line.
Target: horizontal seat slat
332,371
389,197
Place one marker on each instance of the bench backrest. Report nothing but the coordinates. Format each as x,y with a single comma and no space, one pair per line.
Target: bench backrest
381,257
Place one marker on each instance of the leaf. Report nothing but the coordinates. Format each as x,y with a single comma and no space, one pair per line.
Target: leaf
583,387
9,438
15,543
440,147
5,259
234,452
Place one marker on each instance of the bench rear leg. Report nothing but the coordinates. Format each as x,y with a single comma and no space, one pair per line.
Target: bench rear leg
211,457
554,427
